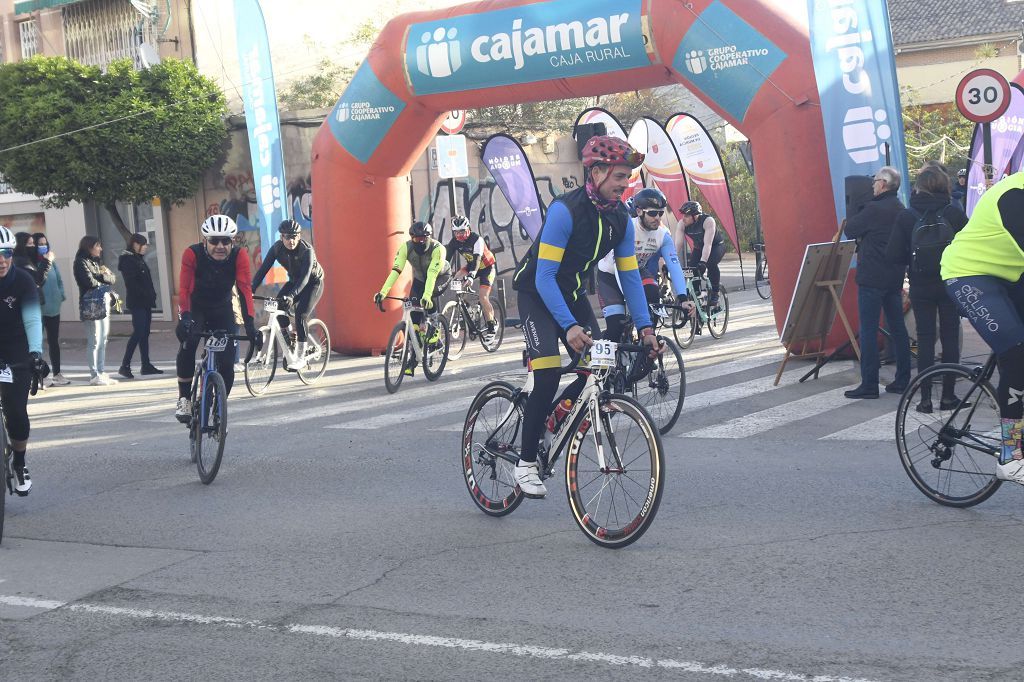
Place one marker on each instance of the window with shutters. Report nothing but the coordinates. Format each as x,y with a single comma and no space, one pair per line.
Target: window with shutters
29,33
97,32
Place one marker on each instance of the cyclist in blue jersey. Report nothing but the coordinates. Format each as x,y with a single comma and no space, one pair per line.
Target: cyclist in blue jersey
579,229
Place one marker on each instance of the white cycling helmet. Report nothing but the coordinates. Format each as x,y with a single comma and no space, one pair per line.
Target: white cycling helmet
7,240
219,226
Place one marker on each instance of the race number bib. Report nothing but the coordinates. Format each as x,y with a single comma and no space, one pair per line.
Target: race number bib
6,376
458,286
407,305
602,354
270,306
216,344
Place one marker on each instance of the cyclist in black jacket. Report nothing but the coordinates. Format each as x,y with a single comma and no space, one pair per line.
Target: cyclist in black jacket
305,283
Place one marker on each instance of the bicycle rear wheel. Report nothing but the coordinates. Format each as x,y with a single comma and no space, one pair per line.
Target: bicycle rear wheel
718,317
395,357
318,352
761,281
951,463
260,369
452,312
684,329
211,427
614,507
662,391
490,439
435,355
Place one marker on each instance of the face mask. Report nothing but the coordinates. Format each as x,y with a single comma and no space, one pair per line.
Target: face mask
420,248
31,251
43,249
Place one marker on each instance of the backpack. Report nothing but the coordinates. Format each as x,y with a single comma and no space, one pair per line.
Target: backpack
930,236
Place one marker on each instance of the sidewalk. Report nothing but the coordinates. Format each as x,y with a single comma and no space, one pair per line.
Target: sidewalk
163,346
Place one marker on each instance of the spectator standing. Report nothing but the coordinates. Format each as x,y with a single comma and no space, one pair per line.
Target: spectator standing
960,189
26,257
879,285
94,280
52,296
141,299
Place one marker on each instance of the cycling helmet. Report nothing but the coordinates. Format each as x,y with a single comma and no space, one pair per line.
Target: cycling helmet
7,240
460,227
629,207
420,229
962,173
691,208
649,197
610,151
219,226
289,228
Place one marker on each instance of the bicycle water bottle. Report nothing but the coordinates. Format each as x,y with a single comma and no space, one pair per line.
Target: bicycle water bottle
556,417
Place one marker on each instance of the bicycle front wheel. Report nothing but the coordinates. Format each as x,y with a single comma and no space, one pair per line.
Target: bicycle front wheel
395,357
5,460
259,371
492,342
212,427
662,391
718,316
318,352
615,505
490,440
684,328
949,446
452,312
435,354
762,283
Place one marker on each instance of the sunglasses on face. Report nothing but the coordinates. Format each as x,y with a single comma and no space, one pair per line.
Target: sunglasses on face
7,253
654,213
419,240
218,241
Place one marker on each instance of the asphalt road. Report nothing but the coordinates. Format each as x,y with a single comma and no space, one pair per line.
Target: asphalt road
339,541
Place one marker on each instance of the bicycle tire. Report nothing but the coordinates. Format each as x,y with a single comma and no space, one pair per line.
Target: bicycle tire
761,281
318,352
684,331
492,342
452,312
435,355
582,471
260,369
923,454
663,391
488,475
215,397
5,460
718,321
395,357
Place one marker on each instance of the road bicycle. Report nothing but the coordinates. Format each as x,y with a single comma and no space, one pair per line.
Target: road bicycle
260,370
6,451
660,384
614,464
407,347
208,422
466,320
685,327
949,447
761,280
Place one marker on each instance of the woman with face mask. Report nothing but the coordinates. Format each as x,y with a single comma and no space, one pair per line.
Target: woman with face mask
26,257
51,296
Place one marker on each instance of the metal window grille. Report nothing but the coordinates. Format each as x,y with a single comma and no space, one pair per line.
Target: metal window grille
29,33
97,32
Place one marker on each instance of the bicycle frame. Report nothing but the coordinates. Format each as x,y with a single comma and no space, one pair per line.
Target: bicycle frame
948,434
411,337
205,365
691,291
460,297
276,335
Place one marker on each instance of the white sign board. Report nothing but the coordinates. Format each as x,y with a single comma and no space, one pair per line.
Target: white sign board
452,159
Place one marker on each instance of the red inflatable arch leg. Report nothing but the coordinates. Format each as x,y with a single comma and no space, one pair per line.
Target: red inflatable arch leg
498,52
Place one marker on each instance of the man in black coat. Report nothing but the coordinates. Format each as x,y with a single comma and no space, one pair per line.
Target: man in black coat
879,285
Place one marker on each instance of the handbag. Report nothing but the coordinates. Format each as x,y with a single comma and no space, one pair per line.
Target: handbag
94,304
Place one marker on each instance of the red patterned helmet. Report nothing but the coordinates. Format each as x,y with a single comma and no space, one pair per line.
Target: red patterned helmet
611,151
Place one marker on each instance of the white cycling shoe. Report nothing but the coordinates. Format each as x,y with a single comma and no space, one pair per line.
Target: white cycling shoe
527,477
183,410
1011,471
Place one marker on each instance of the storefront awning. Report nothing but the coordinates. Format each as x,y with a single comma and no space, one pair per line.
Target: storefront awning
26,6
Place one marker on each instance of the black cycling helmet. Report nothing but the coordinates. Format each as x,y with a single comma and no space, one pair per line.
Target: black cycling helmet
289,228
420,229
691,208
649,197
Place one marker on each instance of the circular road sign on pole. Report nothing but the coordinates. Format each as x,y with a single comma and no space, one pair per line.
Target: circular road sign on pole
983,95
454,122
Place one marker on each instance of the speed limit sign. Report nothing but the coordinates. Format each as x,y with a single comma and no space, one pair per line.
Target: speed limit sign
983,95
454,121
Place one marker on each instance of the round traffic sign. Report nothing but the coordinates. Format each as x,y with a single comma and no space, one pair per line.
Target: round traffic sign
454,122
983,95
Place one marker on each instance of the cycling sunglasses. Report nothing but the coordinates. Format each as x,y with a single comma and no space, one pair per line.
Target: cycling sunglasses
419,240
216,241
653,212
7,253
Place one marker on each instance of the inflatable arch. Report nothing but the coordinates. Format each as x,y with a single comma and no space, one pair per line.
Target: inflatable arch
758,76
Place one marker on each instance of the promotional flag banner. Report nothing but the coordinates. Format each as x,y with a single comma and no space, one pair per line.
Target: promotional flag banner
262,120
615,129
661,163
507,163
703,166
1007,148
854,65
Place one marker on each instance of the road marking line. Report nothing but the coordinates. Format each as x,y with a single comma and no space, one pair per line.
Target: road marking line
880,429
774,417
546,653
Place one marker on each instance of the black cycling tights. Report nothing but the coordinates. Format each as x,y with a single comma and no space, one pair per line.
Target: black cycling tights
305,302
1011,369
539,406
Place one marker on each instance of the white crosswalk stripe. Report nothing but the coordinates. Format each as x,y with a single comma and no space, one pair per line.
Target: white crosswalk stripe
772,418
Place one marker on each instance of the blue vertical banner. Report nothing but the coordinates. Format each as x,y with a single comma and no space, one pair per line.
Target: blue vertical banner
262,119
851,46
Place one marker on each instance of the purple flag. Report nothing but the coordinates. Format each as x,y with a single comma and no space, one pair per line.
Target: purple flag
511,170
1007,134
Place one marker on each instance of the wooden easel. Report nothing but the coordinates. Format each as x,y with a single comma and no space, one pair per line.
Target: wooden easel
827,264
